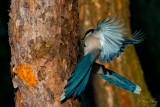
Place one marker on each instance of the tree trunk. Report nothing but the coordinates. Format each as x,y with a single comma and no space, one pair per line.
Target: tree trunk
128,65
44,47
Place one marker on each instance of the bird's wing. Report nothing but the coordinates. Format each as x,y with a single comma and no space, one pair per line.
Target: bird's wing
112,38
79,78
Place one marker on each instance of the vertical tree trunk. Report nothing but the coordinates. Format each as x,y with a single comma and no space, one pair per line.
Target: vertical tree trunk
105,94
43,40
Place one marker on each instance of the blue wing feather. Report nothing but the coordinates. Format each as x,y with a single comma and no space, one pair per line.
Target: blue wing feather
116,79
82,86
79,78
79,70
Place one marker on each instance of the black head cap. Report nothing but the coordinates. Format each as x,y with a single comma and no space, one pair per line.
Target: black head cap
90,30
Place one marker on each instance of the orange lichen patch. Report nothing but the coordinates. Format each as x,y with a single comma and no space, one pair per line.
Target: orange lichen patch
25,72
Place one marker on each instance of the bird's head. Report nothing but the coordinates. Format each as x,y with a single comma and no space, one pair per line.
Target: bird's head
90,31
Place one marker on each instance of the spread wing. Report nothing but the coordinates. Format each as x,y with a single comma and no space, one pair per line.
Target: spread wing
112,38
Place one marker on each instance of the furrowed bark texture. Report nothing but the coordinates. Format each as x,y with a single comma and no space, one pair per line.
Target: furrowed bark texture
43,40
127,65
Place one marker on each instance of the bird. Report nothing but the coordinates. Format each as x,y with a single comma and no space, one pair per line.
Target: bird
105,42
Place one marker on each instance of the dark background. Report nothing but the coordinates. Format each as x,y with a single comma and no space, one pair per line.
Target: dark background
6,87
145,15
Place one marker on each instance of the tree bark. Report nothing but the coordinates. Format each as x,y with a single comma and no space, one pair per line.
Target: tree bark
43,40
127,65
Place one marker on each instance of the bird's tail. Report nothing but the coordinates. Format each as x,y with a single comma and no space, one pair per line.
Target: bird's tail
79,78
117,79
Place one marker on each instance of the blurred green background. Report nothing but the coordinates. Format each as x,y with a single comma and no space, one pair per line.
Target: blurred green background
145,15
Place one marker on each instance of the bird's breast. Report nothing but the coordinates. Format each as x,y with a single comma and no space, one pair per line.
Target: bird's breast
92,42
